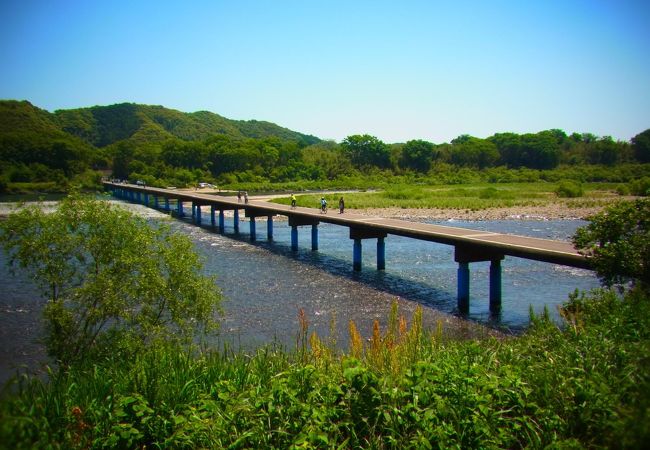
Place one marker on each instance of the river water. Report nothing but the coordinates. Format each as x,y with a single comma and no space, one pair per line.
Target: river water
265,284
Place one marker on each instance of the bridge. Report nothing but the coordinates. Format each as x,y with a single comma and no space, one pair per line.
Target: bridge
470,245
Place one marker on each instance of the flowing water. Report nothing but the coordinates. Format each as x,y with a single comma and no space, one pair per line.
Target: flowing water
265,284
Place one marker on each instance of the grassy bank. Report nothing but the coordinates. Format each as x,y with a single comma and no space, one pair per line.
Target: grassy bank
474,196
587,385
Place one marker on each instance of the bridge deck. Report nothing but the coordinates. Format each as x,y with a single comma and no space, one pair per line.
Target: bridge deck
558,252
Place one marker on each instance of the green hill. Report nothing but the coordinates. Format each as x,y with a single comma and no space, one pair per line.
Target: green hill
105,125
31,135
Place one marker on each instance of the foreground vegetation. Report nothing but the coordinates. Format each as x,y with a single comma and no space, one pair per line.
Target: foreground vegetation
587,385
584,384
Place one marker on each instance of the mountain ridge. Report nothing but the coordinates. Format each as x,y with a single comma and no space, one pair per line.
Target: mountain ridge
101,126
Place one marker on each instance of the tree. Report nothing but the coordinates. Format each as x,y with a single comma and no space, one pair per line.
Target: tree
641,145
604,151
540,151
508,145
122,157
109,277
470,151
417,155
618,242
365,150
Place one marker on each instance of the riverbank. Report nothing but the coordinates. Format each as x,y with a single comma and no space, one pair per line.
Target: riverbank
556,210
552,211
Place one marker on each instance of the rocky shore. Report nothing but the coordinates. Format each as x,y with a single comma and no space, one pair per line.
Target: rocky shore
553,211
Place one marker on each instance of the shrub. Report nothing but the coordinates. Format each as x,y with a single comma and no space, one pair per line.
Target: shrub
569,189
618,242
640,187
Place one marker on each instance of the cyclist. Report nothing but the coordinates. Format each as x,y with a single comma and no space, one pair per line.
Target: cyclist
323,205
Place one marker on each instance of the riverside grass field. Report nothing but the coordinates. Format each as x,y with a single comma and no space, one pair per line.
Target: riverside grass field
472,196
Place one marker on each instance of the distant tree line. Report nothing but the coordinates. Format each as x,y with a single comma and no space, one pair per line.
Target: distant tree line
226,159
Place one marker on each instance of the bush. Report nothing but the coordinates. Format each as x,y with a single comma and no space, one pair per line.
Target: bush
640,187
569,189
623,189
618,242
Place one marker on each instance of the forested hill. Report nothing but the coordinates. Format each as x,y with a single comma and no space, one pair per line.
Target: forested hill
101,126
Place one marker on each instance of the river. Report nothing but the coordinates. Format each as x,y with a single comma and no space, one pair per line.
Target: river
265,284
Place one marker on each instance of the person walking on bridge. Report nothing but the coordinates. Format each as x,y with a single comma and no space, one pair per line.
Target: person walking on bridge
341,205
293,200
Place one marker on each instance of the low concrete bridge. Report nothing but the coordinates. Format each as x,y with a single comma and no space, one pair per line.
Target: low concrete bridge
470,245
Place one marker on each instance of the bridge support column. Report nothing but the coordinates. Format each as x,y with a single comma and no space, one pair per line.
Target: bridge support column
495,286
146,199
269,228
138,197
463,287
465,255
213,220
236,220
179,208
156,202
294,238
314,237
381,254
167,207
197,215
295,222
368,233
222,222
252,228
356,255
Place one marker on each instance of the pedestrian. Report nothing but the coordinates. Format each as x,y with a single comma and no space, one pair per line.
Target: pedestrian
341,205
238,196
245,196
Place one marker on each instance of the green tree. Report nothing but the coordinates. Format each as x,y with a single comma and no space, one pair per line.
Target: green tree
122,157
109,277
328,158
470,151
508,145
540,151
641,146
417,155
366,151
618,241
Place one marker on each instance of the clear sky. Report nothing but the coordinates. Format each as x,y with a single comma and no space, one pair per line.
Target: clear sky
398,70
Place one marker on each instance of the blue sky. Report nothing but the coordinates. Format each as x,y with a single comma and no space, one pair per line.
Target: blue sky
398,70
